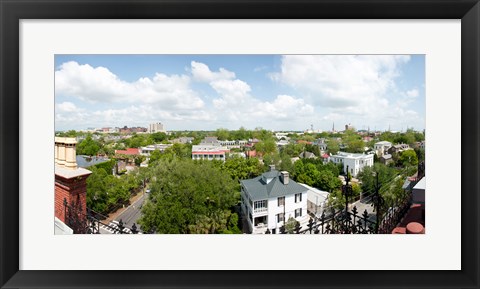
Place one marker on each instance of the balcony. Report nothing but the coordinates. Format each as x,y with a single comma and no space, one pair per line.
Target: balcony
260,210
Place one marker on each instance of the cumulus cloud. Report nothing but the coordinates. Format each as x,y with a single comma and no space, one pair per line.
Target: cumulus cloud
66,107
341,80
310,89
237,102
100,85
201,72
349,88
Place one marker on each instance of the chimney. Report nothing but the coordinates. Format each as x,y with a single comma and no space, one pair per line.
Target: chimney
60,148
70,153
70,185
285,177
272,167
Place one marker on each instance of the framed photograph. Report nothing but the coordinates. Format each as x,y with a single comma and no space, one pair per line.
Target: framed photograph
237,144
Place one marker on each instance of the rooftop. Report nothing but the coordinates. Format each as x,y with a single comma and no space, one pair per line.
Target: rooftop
259,189
350,155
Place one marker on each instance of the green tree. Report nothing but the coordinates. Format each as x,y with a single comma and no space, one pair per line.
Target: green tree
408,158
241,168
222,134
333,146
286,163
327,181
368,177
290,225
266,147
188,197
88,146
158,137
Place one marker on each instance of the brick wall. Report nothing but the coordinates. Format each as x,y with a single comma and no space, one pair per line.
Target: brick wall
73,190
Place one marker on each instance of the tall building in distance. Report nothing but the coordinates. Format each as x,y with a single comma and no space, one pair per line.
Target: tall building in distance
156,127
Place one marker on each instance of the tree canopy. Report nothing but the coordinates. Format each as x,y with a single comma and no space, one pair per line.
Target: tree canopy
189,197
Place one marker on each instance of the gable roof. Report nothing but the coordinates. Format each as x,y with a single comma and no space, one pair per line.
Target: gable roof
258,189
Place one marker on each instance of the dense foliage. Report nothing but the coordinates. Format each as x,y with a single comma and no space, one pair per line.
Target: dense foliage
190,197
105,192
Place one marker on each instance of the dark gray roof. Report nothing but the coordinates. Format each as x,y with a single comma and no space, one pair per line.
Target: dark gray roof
258,189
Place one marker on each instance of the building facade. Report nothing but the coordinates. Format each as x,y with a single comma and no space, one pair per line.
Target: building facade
355,162
156,127
270,200
382,147
209,152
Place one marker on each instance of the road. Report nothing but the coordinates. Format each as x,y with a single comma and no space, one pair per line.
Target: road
132,213
129,216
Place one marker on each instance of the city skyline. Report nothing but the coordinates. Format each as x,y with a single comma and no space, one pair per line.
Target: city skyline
207,92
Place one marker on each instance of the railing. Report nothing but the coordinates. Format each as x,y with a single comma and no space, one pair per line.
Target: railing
88,223
260,210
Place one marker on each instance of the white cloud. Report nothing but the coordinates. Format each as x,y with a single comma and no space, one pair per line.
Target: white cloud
66,107
201,72
285,107
100,85
237,104
413,93
358,89
341,80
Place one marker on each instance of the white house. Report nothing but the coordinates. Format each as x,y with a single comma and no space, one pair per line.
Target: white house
381,147
355,162
146,151
209,152
271,199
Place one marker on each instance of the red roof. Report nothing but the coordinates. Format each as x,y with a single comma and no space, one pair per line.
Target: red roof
208,153
325,156
129,151
303,141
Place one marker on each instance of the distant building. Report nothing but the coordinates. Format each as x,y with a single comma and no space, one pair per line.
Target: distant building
156,127
209,152
382,147
395,149
146,151
269,200
307,155
183,140
386,159
321,143
210,140
129,151
349,127
355,162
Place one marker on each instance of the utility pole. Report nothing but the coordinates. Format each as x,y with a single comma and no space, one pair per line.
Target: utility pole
377,202
347,190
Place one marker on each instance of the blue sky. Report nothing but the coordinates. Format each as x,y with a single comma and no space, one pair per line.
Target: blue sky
207,92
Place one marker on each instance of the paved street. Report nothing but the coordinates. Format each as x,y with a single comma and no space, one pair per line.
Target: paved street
132,213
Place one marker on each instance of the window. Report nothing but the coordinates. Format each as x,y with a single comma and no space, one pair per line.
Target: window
298,198
298,212
281,201
260,204
280,217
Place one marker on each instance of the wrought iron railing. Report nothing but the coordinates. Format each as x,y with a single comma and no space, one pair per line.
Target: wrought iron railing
86,221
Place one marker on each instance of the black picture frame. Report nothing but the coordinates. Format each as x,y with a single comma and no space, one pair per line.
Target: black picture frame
11,11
